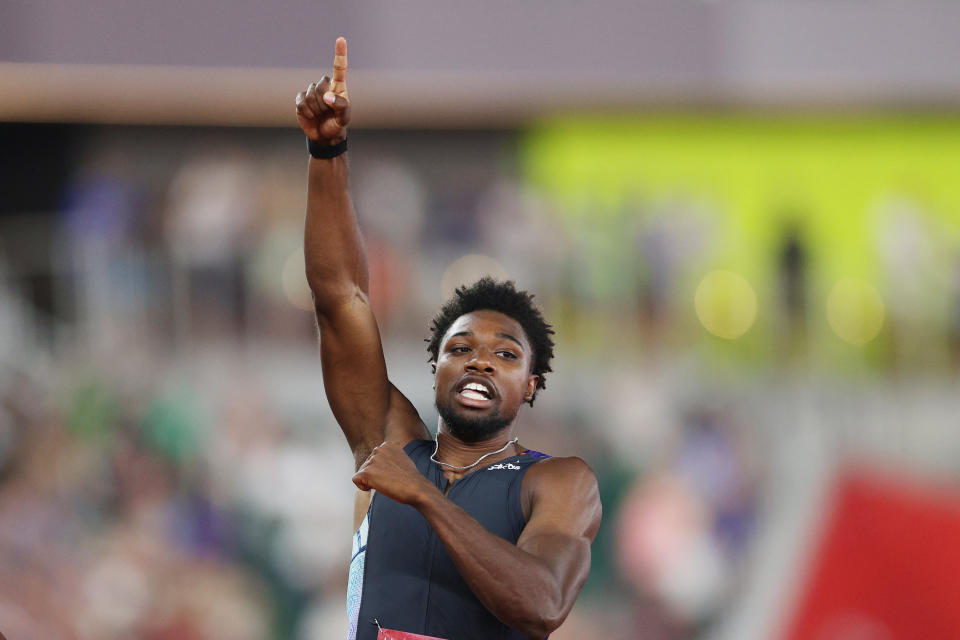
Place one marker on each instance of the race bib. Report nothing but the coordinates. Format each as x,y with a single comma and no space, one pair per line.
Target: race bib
390,634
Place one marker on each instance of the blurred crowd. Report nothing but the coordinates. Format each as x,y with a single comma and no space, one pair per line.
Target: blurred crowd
168,465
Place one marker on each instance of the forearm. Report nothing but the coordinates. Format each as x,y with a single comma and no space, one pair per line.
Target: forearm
515,586
336,262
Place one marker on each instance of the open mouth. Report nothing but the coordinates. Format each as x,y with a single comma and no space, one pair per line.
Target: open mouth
475,393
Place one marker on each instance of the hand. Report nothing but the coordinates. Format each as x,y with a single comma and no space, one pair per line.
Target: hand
389,470
323,110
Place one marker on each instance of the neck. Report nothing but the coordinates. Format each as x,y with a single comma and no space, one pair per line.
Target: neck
452,450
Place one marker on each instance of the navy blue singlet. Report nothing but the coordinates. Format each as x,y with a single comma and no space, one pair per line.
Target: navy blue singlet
402,576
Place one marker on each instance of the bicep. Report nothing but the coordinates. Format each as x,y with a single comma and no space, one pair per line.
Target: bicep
563,522
355,377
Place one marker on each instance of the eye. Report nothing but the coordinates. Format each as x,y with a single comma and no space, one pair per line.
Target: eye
509,355
460,348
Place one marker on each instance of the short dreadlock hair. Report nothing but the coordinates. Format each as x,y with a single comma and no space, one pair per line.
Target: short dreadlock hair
489,294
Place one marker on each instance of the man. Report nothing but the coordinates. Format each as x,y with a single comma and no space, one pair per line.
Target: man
471,535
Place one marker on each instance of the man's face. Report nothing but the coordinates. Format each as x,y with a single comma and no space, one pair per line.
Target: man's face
483,374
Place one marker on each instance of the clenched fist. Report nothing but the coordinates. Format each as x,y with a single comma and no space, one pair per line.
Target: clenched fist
323,110
389,470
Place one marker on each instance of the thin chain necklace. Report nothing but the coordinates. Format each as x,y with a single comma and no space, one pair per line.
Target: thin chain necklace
436,448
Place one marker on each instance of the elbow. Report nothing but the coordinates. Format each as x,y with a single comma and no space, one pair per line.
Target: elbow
331,286
329,293
541,619
323,282
551,622
540,626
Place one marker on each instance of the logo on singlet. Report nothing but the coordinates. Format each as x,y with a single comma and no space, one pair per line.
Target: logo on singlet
501,465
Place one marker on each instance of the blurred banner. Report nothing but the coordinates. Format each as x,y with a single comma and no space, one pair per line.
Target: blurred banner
788,231
887,566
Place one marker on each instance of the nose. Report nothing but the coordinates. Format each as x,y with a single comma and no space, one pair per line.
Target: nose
480,360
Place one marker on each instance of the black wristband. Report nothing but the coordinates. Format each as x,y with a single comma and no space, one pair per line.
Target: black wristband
326,151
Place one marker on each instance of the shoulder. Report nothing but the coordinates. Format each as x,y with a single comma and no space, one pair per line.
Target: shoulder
563,470
556,482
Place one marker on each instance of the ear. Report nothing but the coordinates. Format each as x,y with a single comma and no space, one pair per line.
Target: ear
531,391
433,367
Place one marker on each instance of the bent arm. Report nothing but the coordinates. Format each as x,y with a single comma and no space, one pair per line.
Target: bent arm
530,586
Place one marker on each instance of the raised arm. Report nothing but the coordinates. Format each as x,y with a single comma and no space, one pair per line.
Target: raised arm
354,370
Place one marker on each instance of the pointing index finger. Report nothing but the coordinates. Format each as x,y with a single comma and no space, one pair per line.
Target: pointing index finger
340,67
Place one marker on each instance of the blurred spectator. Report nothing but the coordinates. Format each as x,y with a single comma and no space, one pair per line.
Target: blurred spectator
682,528
168,465
792,272
212,203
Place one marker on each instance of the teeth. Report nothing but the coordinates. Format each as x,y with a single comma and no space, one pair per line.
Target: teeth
470,393
474,389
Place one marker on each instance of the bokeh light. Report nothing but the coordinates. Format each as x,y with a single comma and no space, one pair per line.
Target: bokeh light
726,304
855,311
